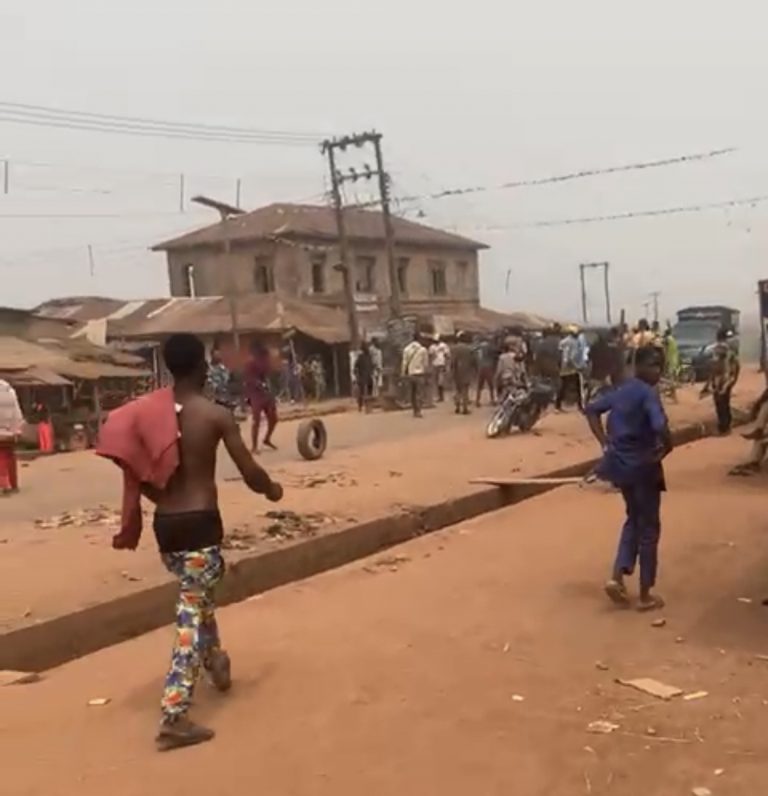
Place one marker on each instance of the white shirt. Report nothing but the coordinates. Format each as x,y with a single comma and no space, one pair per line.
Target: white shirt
415,359
439,353
11,418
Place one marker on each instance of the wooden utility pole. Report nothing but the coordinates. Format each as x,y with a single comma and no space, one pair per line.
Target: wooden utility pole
655,299
329,149
389,234
583,267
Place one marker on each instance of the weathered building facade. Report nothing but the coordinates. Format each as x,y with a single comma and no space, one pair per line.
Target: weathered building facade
292,251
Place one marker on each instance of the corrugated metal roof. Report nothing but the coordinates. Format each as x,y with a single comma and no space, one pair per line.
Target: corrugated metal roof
316,221
255,313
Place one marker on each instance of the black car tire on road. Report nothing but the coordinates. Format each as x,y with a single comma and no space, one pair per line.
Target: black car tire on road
312,439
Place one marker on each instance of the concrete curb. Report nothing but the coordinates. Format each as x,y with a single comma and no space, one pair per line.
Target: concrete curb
64,638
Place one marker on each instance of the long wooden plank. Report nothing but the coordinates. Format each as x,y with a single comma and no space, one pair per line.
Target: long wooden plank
511,480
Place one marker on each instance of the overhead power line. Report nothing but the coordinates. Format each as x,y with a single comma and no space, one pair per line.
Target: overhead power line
39,115
662,211
572,175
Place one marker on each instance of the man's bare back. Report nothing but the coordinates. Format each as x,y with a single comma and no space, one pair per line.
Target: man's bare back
202,425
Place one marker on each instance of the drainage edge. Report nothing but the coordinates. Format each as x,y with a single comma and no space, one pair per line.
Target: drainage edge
64,638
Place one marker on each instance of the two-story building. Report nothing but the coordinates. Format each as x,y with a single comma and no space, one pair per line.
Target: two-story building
292,250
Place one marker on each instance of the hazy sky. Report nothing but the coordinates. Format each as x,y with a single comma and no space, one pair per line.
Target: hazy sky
479,94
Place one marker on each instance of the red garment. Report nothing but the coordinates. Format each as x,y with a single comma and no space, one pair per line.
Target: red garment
9,472
45,436
141,438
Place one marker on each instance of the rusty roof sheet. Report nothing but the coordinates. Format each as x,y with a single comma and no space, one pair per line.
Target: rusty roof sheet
35,377
255,313
283,220
21,355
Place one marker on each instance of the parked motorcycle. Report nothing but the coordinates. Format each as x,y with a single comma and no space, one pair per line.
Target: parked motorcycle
521,407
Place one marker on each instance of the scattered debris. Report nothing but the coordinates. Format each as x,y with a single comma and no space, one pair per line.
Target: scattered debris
27,613
652,732
289,524
652,687
659,622
337,478
602,727
696,695
129,577
761,658
680,640
507,647
719,772
745,600
395,474
239,539
99,702
518,698
701,792
10,677
101,515
603,667
392,563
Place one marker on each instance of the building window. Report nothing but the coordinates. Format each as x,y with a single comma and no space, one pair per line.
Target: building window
366,275
318,273
188,280
438,282
402,275
462,275
263,275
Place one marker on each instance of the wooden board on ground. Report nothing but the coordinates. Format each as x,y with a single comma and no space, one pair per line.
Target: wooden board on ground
510,480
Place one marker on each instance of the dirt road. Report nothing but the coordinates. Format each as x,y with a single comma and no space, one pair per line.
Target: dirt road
465,662
377,465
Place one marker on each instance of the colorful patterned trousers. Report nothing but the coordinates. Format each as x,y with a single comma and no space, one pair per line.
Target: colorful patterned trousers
197,635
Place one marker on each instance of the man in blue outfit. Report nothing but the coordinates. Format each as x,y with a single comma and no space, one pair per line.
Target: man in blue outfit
634,443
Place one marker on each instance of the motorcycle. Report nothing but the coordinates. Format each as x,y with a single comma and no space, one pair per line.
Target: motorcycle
521,407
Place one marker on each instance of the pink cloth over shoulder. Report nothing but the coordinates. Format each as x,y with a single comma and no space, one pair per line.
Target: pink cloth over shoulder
142,439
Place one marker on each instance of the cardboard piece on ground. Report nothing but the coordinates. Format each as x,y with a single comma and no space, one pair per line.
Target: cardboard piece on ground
9,677
652,687
511,480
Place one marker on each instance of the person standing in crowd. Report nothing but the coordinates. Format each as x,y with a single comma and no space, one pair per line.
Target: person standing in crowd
485,353
634,444
219,382
173,434
377,355
571,366
439,358
11,426
758,435
317,377
724,373
462,370
643,336
671,356
363,372
259,396
546,357
414,368
601,365
510,370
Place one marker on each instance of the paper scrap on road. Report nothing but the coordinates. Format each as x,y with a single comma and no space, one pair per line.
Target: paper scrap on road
518,698
99,702
602,727
701,792
695,695
652,687
659,623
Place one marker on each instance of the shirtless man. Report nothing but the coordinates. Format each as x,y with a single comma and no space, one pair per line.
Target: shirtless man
189,534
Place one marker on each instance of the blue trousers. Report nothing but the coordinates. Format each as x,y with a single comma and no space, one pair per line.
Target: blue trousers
641,531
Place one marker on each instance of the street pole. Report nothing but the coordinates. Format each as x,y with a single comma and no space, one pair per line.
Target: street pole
606,288
655,297
389,235
583,293
232,297
349,288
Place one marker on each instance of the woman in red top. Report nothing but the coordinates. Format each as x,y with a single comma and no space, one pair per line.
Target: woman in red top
259,395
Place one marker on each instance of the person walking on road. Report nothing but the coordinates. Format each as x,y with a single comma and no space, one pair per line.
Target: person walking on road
463,371
364,375
635,442
439,358
572,364
377,355
259,395
486,370
11,426
724,374
177,432
414,368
